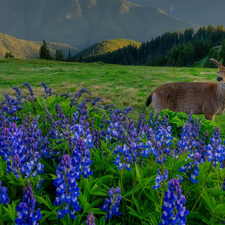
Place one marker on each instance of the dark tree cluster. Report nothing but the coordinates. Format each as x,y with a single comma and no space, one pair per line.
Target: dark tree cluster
169,49
9,55
45,54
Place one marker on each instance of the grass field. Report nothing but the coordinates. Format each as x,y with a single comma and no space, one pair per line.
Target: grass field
120,85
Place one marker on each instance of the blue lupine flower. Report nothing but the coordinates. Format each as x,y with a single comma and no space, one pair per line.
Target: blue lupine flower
188,136
29,87
159,178
96,100
173,210
18,93
81,159
111,205
215,150
3,195
11,144
26,209
90,219
80,92
10,108
46,89
67,190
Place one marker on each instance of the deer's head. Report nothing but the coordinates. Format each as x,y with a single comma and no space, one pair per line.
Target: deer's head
221,70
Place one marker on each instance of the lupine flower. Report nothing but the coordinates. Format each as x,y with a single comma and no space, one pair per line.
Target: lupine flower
215,150
189,144
67,190
81,91
81,159
173,210
159,178
26,209
90,219
18,93
46,89
3,195
96,100
30,89
12,149
111,205
10,108
188,136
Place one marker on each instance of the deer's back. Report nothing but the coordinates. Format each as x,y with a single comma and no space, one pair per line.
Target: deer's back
184,96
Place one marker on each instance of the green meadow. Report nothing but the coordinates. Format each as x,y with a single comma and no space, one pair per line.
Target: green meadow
120,85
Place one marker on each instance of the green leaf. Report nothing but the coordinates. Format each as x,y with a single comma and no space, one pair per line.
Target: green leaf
102,221
48,168
94,203
133,212
177,121
133,190
137,205
139,178
208,203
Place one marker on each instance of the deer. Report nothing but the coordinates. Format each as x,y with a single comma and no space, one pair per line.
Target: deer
206,98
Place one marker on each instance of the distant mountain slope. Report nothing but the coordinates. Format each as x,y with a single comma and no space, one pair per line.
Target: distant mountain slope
82,23
29,49
107,46
202,12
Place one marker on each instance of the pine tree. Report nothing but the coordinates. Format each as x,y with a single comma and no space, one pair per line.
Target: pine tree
59,55
80,59
45,52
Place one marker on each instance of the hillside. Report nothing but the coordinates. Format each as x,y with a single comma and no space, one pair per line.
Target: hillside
107,46
202,12
82,23
29,49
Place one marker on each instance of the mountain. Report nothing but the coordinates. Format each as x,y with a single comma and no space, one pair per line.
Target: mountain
82,23
30,49
202,12
107,46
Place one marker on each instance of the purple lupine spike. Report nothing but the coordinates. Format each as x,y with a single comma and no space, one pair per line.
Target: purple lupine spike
112,204
26,209
30,89
67,190
90,219
3,195
173,210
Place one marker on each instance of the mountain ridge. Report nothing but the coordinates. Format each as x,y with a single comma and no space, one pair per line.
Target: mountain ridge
202,12
82,23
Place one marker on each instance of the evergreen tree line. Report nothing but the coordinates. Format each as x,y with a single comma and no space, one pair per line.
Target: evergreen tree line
45,54
170,49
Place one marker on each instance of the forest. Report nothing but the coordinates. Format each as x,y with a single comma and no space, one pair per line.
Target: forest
176,49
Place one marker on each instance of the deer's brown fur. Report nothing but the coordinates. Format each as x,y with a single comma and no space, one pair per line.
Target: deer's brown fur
200,97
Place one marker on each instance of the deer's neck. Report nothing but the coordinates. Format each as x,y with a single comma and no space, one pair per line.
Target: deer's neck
221,92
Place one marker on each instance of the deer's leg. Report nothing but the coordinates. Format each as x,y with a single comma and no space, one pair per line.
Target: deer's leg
210,117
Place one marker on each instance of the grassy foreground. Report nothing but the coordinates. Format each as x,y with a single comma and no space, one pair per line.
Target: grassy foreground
120,85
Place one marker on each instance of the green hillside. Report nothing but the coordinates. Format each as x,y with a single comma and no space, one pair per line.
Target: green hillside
107,46
29,49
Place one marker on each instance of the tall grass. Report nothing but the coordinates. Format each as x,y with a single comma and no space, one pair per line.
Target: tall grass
120,85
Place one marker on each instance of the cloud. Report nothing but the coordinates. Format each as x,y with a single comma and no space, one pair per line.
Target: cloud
171,9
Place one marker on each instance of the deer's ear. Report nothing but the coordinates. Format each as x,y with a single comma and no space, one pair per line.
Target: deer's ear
216,62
